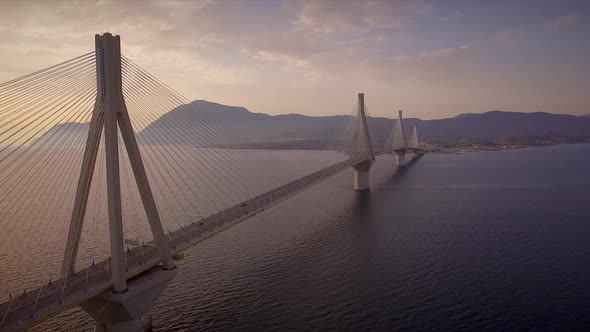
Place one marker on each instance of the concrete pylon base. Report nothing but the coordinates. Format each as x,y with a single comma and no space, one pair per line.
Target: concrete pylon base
400,159
129,311
361,175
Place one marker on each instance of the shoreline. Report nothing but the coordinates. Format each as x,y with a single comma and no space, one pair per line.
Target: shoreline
494,148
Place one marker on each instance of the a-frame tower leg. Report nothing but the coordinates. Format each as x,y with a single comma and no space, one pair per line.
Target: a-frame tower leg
82,192
144,189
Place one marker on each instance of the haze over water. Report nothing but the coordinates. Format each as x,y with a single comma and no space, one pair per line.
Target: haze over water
480,241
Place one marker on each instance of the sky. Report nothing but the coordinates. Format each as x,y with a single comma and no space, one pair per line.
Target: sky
433,59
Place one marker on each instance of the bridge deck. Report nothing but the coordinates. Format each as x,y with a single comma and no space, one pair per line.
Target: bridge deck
31,308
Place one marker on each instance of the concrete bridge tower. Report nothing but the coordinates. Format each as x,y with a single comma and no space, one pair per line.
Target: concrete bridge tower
125,308
362,169
400,143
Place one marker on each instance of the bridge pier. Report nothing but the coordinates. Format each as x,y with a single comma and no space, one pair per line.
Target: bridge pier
400,158
129,311
361,175
417,154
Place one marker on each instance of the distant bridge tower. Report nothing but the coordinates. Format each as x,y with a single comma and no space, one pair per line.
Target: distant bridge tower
400,144
361,169
126,307
414,143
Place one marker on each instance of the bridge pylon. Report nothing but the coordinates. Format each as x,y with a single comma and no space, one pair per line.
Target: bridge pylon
414,143
400,143
362,169
110,113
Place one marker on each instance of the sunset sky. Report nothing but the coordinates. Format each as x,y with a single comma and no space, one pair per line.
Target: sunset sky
433,59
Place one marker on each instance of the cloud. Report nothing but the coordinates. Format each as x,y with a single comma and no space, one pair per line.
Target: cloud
439,65
292,50
560,22
331,16
155,33
434,55
510,37
454,15
230,50
209,39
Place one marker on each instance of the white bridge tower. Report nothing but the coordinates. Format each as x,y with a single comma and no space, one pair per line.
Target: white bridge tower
362,169
400,143
126,307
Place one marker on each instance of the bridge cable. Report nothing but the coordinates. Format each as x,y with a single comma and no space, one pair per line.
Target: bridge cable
183,101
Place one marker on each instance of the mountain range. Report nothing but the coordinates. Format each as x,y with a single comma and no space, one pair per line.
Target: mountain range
204,121
493,126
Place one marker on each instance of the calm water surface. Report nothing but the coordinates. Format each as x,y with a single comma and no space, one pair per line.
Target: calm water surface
483,241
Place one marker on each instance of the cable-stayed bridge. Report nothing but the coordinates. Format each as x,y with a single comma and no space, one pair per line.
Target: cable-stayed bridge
98,197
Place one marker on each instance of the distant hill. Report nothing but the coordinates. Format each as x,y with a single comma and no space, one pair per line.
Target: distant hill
494,126
253,127
58,133
212,121
499,126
